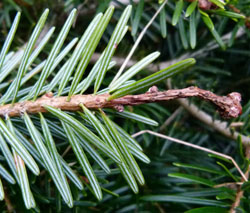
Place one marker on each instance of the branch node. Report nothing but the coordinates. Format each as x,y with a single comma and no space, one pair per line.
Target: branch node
119,108
48,95
235,108
153,89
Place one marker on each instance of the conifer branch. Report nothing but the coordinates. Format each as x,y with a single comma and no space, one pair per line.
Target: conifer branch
229,106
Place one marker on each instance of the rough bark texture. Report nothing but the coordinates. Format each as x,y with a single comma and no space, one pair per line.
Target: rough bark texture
229,106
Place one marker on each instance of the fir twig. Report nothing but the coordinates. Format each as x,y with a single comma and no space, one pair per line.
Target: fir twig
229,106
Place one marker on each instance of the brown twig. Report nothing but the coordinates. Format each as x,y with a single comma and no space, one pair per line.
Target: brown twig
219,126
240,192
193,146
228,106
231,185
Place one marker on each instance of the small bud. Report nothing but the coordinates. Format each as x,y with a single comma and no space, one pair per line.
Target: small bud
119,108
153,89
48,95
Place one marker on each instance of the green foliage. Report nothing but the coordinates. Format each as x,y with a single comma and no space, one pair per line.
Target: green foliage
154,78
88,161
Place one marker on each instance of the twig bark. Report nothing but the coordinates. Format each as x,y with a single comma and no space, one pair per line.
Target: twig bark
240,192
218,125
229,106
244,178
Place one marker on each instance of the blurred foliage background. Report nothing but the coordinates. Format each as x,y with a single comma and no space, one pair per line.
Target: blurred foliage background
183,178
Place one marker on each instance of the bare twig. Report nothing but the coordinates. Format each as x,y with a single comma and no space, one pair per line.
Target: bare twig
193,146
240,192
229,106
204,117
221,127
231,185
